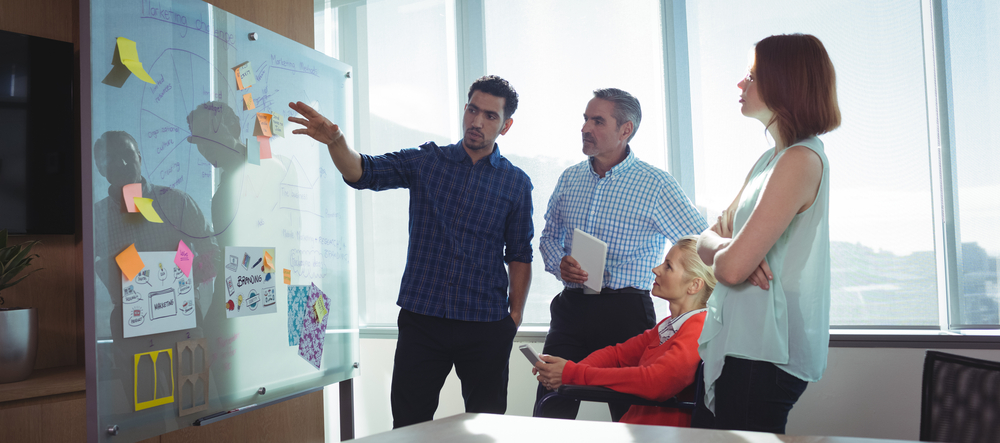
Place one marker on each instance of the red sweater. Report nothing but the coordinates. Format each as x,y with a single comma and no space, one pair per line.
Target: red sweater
642,366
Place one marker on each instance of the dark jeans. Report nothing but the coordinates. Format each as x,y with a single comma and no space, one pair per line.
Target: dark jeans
750,395
583,323
425,352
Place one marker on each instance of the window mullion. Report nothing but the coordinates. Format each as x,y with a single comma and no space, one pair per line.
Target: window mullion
677,95
470,44
352,48
951,237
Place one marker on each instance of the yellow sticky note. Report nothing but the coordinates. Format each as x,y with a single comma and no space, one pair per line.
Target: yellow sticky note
288,277
320,309
131,191
145,206
244,76
130,262
263,126
248,101
277,125
130,58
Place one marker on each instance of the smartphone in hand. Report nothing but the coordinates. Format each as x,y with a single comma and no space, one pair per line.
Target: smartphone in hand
531,355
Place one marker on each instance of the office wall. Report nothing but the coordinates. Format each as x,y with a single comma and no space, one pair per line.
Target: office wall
866,392
60,299
55,19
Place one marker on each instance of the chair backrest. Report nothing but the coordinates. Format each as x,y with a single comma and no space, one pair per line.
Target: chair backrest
960,399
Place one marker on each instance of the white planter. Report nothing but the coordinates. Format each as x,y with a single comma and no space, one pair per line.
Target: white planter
18,343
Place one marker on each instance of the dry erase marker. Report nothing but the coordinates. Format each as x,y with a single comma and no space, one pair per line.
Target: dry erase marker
243,408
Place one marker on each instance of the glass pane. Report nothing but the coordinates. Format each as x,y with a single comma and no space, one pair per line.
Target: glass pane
186,136
974,29
881,220
556,53
404,112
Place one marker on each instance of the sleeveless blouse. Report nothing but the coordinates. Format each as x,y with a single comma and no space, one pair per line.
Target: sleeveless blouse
788,324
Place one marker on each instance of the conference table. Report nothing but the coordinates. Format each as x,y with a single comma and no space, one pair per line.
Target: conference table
493,428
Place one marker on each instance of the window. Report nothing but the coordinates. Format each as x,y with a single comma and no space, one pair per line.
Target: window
408,96
881,221
556,53
912,201
972,84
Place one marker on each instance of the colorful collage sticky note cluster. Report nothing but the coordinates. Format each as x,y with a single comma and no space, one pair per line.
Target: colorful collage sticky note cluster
314,327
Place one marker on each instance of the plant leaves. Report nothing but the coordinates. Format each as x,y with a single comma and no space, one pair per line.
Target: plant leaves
12,272
7,253
4,286
14,267
14,259
25,249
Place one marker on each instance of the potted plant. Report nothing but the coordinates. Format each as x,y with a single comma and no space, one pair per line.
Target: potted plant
18,326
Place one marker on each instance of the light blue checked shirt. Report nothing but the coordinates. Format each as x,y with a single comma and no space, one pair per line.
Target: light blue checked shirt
635,208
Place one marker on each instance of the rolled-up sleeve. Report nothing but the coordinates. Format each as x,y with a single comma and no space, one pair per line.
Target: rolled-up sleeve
520,228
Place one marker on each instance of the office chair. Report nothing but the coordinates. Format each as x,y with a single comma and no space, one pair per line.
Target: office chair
960,399
601,394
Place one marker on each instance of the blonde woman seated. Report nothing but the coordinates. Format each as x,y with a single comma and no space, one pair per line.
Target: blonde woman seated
659,363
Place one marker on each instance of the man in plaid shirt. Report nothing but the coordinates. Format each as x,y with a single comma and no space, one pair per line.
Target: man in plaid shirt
470,213
632,206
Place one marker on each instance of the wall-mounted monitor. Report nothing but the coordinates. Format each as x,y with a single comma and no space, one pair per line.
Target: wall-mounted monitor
38,178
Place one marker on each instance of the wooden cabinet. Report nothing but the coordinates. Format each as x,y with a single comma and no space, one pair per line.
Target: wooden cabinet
50,406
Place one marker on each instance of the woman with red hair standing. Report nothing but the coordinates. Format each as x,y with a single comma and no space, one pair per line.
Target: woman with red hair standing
766,334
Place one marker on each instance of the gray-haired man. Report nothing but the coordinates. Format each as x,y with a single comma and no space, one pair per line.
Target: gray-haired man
631,205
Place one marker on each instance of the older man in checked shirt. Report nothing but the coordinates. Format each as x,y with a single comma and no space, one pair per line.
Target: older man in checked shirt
470,211
631,205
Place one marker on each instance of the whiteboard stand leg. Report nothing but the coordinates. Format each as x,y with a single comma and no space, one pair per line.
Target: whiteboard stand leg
347,410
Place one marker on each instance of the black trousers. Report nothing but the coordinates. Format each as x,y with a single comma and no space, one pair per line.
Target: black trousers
425,352
583,323
750,395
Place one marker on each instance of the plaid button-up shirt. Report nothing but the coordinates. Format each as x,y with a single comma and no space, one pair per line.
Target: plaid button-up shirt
466,221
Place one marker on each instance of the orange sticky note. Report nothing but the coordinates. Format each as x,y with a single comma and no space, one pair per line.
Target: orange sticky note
265,147
145,206
244,76
130,262
131,191
248,101
268,261
288,277
263,126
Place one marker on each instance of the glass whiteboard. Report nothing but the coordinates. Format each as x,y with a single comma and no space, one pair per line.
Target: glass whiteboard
188,138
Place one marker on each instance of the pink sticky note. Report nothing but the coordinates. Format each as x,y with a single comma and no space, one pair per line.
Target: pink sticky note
184,258
265,147
131,191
